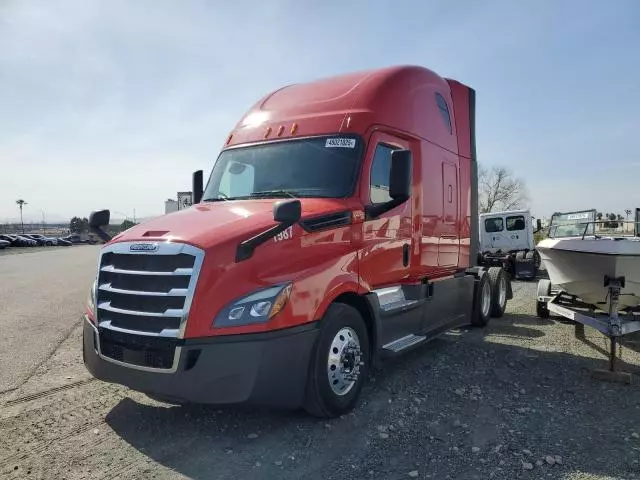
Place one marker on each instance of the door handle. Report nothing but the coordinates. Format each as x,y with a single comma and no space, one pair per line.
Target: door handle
405,254
450,237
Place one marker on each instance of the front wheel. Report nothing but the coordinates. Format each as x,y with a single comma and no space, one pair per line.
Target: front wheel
339,363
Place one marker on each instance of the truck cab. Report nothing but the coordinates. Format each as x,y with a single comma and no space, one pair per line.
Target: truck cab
337,228
506,238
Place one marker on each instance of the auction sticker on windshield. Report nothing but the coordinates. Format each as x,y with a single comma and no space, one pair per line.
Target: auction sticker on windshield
340,143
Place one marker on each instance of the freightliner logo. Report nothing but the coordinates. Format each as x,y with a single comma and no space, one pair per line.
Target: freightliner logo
143,247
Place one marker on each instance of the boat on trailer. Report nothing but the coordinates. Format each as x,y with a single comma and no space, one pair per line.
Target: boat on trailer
578,260
594,277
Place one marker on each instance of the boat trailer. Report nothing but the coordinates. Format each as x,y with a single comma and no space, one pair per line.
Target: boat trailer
612,324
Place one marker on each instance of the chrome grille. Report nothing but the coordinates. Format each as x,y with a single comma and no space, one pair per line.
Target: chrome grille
146,292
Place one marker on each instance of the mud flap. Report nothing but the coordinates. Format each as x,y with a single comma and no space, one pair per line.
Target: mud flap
525,268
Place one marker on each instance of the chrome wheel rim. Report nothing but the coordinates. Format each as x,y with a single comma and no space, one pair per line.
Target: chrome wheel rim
486,299
344,362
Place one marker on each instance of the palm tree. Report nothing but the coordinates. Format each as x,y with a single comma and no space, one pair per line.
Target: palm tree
21,203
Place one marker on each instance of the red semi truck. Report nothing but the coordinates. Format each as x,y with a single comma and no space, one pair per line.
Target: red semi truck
338,227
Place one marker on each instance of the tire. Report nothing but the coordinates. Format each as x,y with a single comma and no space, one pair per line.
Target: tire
481,313
327,398
544,289
498,280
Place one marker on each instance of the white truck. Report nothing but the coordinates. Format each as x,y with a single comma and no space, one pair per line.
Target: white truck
506,240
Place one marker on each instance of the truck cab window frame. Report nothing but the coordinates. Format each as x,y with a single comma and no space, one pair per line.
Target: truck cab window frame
515,223
494,225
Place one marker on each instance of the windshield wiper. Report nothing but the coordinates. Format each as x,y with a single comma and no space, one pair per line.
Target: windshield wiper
273,193
221,196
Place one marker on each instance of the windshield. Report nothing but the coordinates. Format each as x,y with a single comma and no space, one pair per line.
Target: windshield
324,167
572,224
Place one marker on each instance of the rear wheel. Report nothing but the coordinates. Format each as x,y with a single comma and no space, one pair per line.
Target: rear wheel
339,363
544,290
481,312
498,280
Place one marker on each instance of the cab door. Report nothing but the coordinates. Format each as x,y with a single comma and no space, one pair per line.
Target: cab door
387,243
385,255
495,233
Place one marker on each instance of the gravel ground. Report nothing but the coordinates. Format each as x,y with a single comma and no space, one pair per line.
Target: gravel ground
514,400
18,250
42,292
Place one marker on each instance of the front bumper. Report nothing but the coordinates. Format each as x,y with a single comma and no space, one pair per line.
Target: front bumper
267,368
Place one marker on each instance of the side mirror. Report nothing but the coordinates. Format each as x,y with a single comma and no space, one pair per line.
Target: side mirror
287,212
99,218
197,186
400,175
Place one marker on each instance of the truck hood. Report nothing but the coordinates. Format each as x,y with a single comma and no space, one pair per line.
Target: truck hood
207,224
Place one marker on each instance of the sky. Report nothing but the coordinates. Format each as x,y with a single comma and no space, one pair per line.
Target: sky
113,104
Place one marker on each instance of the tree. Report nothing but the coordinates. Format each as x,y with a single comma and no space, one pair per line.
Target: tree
500,189
21,203
126,225
78,225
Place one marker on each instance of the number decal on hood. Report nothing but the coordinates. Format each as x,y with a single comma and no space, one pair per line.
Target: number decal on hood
284,235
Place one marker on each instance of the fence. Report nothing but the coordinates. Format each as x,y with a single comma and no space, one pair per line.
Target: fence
56,229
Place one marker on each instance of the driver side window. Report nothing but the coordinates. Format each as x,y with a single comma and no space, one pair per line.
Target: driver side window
237,180
380,170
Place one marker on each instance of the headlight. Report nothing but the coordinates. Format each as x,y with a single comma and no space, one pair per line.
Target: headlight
257,307
91,301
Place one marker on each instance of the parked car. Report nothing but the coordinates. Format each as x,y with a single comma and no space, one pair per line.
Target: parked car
19,240
64,243
29,242
39,241
42,240
77,239
4,244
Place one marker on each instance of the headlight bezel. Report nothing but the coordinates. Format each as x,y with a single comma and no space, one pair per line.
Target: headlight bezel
252,309
91,300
